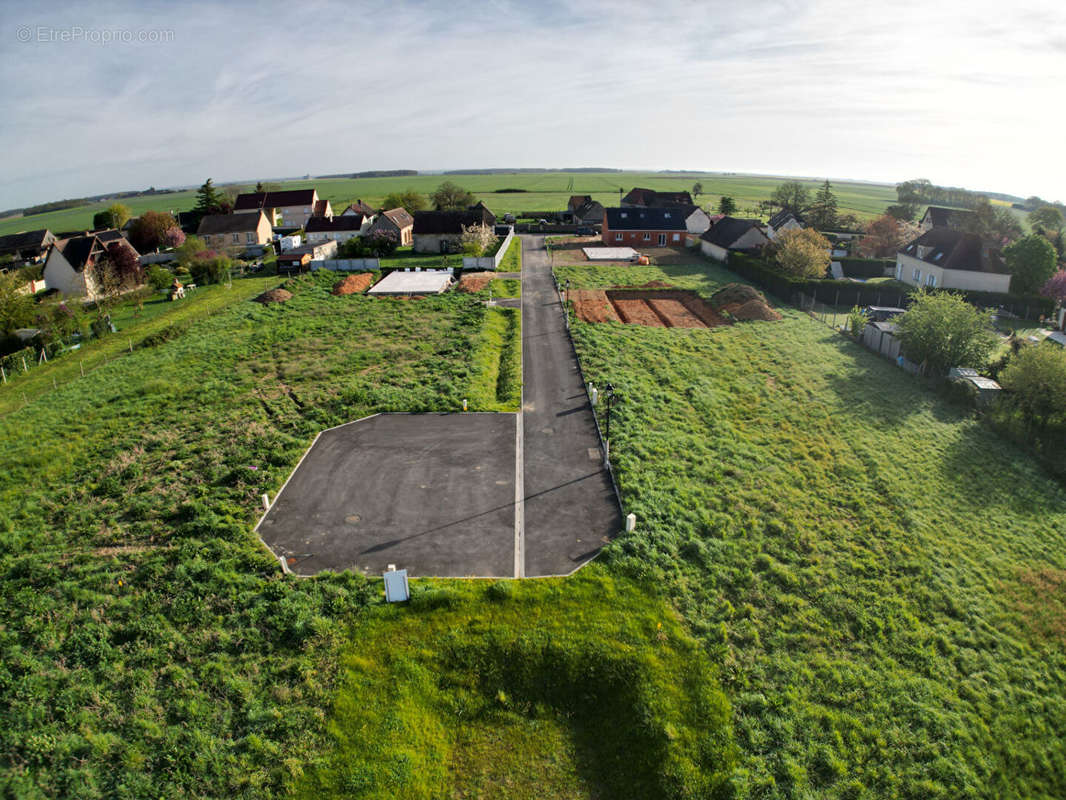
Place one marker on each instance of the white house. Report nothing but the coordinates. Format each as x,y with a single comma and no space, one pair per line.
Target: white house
697,220
945,258
730,233
70,266
783,220
338,229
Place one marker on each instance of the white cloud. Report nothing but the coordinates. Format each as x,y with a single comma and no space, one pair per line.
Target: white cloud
959,92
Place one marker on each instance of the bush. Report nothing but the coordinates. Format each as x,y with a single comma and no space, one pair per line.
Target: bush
210,267
856,321
159,278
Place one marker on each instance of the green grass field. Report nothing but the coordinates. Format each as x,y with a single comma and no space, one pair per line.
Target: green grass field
543,192
879,577
839,585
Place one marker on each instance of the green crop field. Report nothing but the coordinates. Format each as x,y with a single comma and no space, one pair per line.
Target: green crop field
880,578
839,585
547,191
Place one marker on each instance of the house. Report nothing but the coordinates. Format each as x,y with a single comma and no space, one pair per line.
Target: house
338,229
27,246
643,227
398,222
731,233
359,207
581,209
940,217
228,232
945,258
290,208
440,231
696,219
71,264
649,198
783,220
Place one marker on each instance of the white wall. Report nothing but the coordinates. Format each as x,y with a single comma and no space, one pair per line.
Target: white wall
713,250
949,278
59,275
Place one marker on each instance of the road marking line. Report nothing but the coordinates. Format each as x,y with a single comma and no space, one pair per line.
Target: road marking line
519,503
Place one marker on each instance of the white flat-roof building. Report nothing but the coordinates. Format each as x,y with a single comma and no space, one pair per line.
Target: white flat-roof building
401,283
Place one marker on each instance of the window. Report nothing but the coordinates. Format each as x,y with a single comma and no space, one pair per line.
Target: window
899,270
917,275
618,237
236,238
250,238
623,215
930,280
677,237
647,237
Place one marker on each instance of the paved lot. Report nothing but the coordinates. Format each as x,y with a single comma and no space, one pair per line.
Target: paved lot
451,495
434,493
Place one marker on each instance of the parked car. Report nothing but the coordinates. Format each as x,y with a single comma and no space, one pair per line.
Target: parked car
585,231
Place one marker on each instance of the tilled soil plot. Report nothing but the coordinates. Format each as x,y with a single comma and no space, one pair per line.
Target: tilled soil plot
634,311
592,305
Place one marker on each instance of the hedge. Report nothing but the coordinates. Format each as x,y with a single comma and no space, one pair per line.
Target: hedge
848,293
866,267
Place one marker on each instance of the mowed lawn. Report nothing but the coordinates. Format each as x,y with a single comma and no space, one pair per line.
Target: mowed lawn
880,578
547,191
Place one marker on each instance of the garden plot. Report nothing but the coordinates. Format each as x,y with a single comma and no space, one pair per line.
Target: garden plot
671,308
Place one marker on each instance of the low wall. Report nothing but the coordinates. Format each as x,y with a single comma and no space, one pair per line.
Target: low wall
490,262
156,258
347,264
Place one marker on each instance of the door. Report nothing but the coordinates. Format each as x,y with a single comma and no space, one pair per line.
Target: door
662,240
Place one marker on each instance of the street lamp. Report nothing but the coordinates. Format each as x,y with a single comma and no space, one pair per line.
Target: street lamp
566,296
608,394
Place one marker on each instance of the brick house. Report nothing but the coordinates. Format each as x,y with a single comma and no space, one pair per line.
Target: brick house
644,227
229,232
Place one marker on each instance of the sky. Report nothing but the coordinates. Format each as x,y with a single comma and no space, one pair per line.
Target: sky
110,96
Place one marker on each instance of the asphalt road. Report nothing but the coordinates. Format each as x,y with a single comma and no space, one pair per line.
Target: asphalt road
570,506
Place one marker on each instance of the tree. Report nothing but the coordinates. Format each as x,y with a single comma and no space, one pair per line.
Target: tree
727,205
988,221
209,200
126,264
476,239
697,189
408,199
16,305
791,196
149,231
822,213
1037,378
210,266
174,237
187,250
1047,218
450,197
1031,262
904,212
1055,288
382,243
114,216
885,236
941,330
802,253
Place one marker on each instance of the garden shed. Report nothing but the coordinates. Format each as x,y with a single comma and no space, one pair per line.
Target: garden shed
881,338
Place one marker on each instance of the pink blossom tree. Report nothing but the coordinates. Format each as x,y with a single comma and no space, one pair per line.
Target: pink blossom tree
174,237
1055,288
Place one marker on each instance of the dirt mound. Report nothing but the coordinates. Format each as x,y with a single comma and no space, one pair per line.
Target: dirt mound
475,281
754,310
354,284
274,296
593,306
736,293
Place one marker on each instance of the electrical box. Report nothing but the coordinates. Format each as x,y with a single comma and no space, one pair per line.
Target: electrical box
396,588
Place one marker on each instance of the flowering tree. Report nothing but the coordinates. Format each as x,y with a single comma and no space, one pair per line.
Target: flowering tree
1055,288
476,239
174,237
126,264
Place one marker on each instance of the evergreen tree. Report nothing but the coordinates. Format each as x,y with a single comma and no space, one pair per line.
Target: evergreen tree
823,213
209,200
